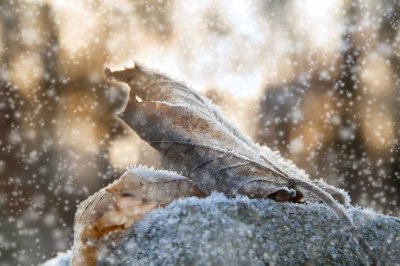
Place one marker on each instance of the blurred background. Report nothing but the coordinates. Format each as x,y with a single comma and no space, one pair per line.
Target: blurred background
317,80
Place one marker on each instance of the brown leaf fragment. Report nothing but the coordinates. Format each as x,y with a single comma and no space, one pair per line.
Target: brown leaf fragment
105,216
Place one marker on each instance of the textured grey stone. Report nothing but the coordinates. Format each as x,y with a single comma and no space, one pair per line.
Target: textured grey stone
221,231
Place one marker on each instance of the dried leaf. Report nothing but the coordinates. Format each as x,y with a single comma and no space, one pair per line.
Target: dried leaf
200,143
103,218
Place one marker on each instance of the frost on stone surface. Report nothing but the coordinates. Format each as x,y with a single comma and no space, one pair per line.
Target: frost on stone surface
62,259
241,231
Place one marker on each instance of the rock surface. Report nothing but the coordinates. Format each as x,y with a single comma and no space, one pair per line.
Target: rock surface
221,231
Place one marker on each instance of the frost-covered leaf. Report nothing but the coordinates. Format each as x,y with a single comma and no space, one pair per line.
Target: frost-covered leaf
200,143
103,218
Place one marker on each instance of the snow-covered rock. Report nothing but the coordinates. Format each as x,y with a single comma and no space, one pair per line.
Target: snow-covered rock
239,231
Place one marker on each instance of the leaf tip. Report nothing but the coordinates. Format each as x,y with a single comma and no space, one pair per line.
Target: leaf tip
107,72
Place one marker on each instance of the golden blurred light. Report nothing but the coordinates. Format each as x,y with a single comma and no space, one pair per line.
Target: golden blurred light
26,71
377,76
124,151
77,135
378,129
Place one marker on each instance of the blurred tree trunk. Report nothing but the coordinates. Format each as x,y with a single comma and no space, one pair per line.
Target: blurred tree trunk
348,143
10,98
11,145
47,97
388,38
